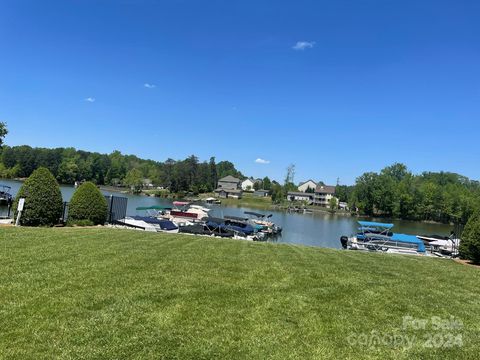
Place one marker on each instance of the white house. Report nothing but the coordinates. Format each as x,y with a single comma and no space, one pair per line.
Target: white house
247,184
323,194
147,183
300,196
303,187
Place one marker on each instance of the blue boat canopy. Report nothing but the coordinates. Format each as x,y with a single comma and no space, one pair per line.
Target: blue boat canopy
412,239
375,224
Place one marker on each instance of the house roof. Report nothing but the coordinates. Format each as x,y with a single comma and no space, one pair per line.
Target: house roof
247,180
261,190
299,193
230,178
325,189
303,183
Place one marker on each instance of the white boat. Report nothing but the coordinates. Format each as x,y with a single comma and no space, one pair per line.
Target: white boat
445,247
184,214
150,224
137,224
202,212
6,221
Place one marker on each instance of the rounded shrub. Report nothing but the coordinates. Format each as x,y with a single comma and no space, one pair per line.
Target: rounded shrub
43,199
87,203
470,243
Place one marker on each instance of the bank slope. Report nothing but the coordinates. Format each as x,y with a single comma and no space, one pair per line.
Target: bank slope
104,293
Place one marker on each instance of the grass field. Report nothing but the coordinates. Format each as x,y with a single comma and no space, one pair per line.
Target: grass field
251,201
101,293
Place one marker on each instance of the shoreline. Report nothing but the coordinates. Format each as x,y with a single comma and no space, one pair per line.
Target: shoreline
259,203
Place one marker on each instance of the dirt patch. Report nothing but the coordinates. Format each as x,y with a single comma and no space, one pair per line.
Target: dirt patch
467,262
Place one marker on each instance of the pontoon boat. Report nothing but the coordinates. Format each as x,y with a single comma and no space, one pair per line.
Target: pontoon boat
375,236
5,197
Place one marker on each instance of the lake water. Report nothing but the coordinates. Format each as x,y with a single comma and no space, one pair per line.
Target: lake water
319,229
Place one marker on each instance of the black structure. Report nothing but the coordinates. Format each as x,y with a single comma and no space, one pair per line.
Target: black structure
117,208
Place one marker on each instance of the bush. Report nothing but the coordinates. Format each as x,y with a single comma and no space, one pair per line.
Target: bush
470,243
43,199
87,203
80,223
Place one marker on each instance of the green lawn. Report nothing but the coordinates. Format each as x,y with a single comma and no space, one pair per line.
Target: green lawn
104,293
250,200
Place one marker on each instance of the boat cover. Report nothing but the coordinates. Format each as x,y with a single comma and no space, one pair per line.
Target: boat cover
411,239
214,220
237,218
375,224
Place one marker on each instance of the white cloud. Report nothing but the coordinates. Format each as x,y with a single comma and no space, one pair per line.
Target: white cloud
262,161
89,99
302,45
149,86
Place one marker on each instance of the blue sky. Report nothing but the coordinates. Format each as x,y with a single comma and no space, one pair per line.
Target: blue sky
336,87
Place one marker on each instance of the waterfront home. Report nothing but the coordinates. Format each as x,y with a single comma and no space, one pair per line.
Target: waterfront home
229,193
247,185
304,186
147,183
323,194
229,187
229,182
261,193
301,196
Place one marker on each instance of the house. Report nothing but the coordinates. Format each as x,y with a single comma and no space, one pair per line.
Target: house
300,196
229,187
147,183
261,193
229,182
229,193
323,194
310,184
247,185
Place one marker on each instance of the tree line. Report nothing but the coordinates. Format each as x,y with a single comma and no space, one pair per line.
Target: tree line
394,192
397,193
69,165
